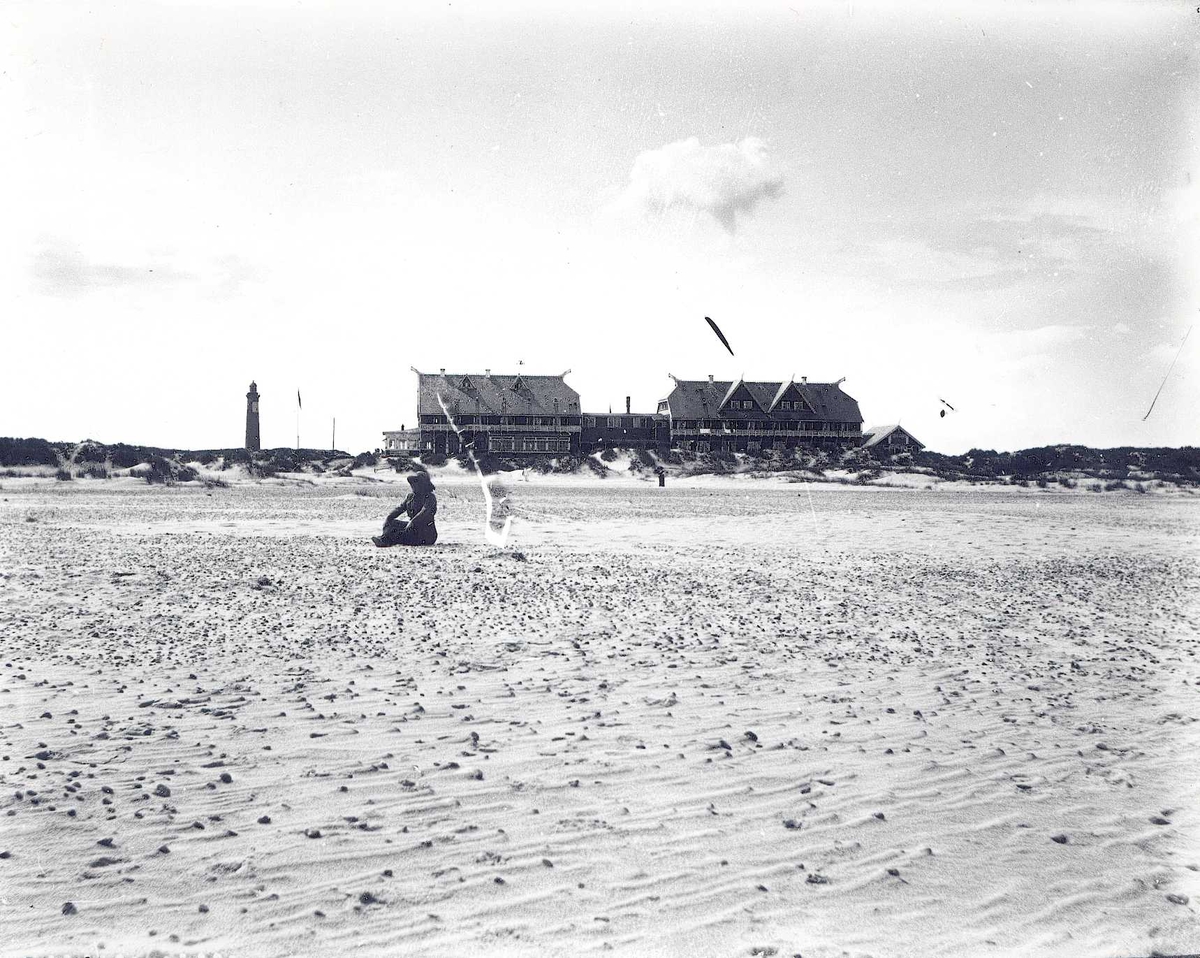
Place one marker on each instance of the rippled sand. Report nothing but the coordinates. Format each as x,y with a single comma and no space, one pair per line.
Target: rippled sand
730,718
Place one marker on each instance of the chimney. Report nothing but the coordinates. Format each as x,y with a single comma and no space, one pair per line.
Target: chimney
626,405
710,377
488,373
443,370
803,380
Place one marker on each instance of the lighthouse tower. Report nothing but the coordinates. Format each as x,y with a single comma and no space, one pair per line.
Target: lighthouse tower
252,441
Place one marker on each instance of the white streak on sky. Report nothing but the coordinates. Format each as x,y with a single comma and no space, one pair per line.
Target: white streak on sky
495,538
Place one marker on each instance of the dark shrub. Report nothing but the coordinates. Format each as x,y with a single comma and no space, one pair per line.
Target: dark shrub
715,463
1026,464
125,457
63,475
854,457
365,459
91,452
167,471
159,470
567,464
433,459
488,464
274,462
230,457
95,471
27,452
609,455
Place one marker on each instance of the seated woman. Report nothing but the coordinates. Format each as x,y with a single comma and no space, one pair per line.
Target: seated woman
420,507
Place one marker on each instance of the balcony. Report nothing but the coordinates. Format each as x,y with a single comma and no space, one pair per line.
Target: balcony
505,429
763,433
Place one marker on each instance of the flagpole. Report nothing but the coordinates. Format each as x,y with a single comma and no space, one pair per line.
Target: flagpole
333,441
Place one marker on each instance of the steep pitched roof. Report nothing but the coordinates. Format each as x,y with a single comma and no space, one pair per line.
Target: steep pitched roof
532,395
702,399
758,392
876,435
696,399
779,395
830,403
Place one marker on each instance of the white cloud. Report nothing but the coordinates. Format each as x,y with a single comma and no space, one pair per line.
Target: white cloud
721,181
63,269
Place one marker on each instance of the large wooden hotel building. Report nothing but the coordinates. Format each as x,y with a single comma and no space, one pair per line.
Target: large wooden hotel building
517,414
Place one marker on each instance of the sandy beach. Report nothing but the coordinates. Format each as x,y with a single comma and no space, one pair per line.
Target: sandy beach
728,717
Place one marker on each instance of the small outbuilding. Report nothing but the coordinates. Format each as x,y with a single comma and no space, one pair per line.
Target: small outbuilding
397,441
891,440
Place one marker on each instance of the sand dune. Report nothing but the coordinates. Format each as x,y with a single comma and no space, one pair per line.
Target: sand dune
721,718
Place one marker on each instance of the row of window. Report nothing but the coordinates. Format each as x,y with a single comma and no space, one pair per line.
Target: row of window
750,404
528,444
524,444
457,405
591,422
558,421
703,445
729,425
646,422
621,422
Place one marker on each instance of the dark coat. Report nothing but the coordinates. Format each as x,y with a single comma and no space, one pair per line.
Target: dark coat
420,530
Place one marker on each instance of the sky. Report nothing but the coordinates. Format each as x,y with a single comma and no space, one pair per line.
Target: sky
997,205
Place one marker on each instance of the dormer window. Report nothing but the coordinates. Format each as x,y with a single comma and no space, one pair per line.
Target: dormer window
556,406
518,384
466,383
503,404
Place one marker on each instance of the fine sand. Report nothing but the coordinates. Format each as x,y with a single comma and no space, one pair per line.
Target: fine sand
721,718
